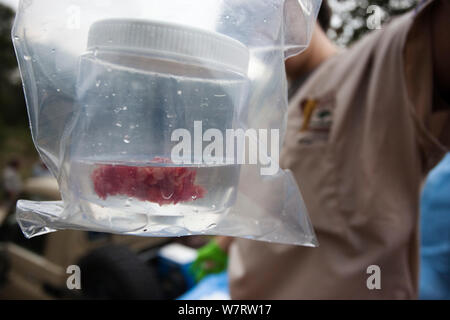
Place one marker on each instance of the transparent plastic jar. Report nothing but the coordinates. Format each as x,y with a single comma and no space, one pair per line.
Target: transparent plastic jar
138,82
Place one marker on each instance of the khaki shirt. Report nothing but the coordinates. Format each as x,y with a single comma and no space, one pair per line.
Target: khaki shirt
360,139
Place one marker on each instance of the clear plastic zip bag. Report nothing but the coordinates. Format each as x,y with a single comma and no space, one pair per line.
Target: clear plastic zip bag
163,118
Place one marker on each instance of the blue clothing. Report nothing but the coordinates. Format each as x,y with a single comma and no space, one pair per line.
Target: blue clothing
213,286
435,234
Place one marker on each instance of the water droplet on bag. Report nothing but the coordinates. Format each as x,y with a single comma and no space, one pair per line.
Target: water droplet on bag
118,124
97,84
27,58
180,92
126,140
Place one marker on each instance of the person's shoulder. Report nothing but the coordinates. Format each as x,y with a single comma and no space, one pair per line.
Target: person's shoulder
356,60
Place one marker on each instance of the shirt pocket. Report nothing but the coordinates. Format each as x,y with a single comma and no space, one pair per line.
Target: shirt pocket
307,152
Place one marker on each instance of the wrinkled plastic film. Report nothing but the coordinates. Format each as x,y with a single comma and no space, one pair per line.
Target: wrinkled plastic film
103,108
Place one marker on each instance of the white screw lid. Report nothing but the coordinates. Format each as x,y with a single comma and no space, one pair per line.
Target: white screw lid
165,38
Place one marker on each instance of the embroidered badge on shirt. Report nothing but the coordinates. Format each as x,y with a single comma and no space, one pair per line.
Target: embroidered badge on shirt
317,118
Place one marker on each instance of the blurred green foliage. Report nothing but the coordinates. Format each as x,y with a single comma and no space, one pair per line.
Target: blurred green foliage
12,102
15,139
350,18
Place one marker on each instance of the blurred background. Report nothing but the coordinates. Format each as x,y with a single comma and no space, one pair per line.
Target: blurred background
36,268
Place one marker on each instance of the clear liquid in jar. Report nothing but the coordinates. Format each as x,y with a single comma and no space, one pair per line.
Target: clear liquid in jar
168,195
